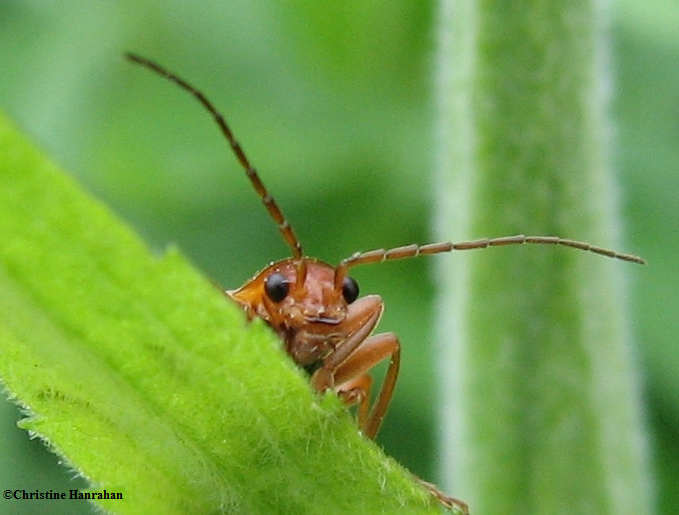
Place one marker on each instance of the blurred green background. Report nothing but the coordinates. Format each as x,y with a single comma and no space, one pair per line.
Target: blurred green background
333,102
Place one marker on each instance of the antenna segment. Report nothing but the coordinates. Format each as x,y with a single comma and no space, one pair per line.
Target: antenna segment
267,199
408,251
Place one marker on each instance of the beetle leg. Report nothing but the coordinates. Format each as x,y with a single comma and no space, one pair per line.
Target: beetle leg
351,376
346,369
361,320
358,354
373,350
447,501
357,391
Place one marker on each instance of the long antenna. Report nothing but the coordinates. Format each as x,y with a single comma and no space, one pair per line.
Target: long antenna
408,251
267,200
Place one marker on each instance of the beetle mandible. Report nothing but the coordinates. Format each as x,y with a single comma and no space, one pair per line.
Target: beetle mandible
315,309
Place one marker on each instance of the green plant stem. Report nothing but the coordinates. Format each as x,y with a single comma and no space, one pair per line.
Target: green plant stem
541,404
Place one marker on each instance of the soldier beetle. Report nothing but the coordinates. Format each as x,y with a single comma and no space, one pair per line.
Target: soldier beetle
315,307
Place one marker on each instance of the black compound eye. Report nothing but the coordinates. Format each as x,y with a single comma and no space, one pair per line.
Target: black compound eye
349,289
277,287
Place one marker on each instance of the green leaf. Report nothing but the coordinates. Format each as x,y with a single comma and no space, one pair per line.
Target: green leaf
148,382
544,412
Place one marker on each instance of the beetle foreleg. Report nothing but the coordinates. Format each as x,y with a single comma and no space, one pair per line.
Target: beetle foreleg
357,391
360,322
366,356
